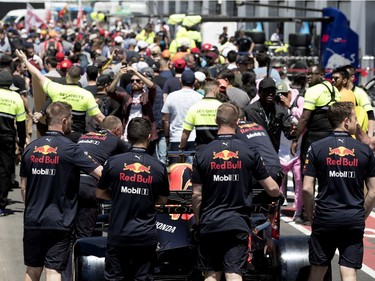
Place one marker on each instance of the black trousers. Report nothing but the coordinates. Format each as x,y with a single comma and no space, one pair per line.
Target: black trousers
7,167
307,139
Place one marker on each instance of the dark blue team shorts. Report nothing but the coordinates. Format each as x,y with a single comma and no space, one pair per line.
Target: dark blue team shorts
129,263
49,248
223,251
324,241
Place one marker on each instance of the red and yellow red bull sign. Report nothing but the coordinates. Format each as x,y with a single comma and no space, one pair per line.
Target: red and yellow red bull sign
45,149
225,154
137,168
343,160
341,151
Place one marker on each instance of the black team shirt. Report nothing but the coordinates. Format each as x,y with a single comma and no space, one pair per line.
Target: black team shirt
341,164
100,146
52,167
225,168
136,179
257,139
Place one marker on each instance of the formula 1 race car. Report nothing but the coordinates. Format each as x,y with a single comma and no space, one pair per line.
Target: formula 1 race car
271,257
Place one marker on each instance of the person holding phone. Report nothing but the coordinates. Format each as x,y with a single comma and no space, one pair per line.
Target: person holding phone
138,102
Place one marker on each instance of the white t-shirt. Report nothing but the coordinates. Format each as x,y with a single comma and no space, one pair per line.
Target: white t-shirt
177,105
135,111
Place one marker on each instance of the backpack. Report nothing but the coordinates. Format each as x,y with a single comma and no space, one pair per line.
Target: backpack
51,49
103,105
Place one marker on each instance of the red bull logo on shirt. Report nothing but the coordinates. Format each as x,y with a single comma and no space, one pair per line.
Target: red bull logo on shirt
47,155
343,152
137,169
226,155
244,128
45,149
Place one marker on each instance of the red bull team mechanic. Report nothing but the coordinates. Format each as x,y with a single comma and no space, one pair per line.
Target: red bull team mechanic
135,182
50,170
222,197
257,139
100,146
342,165
81,100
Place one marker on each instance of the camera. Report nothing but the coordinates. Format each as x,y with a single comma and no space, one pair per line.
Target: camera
278,96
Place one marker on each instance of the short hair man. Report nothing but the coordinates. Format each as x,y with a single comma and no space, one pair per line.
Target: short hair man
99,145
270,112
222,206
340,79
264,60
50,170
201,116
82,101
342,165
135,182
235,94
12,112
174,111
362,99
138,102
318,97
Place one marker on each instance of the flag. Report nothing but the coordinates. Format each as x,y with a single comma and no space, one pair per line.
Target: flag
80,14
63,11
32,20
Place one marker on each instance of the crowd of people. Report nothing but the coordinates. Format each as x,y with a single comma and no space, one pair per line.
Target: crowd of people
115,92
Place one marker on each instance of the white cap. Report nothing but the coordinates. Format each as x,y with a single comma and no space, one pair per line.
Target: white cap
119,39
141,45
200,76
93,36
140,65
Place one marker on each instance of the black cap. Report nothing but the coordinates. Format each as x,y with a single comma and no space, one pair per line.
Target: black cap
6,78
267,83
103,80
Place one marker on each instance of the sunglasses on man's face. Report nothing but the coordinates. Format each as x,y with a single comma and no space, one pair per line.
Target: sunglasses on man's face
135,80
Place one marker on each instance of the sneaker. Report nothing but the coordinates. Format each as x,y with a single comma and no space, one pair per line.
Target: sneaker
297,214
299,220
285,202
3,212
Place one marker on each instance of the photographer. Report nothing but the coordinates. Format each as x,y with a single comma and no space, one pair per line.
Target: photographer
271,111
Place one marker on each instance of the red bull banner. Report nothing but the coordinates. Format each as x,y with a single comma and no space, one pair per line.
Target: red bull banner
339,44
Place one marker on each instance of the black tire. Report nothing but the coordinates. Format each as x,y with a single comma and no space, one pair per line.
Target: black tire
259,48
257,37
89,256
299,40
299,51
293,255
300,65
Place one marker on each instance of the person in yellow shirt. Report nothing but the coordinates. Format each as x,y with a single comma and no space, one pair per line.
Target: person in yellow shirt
181,37
318,98
147,34
362,99
340,79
